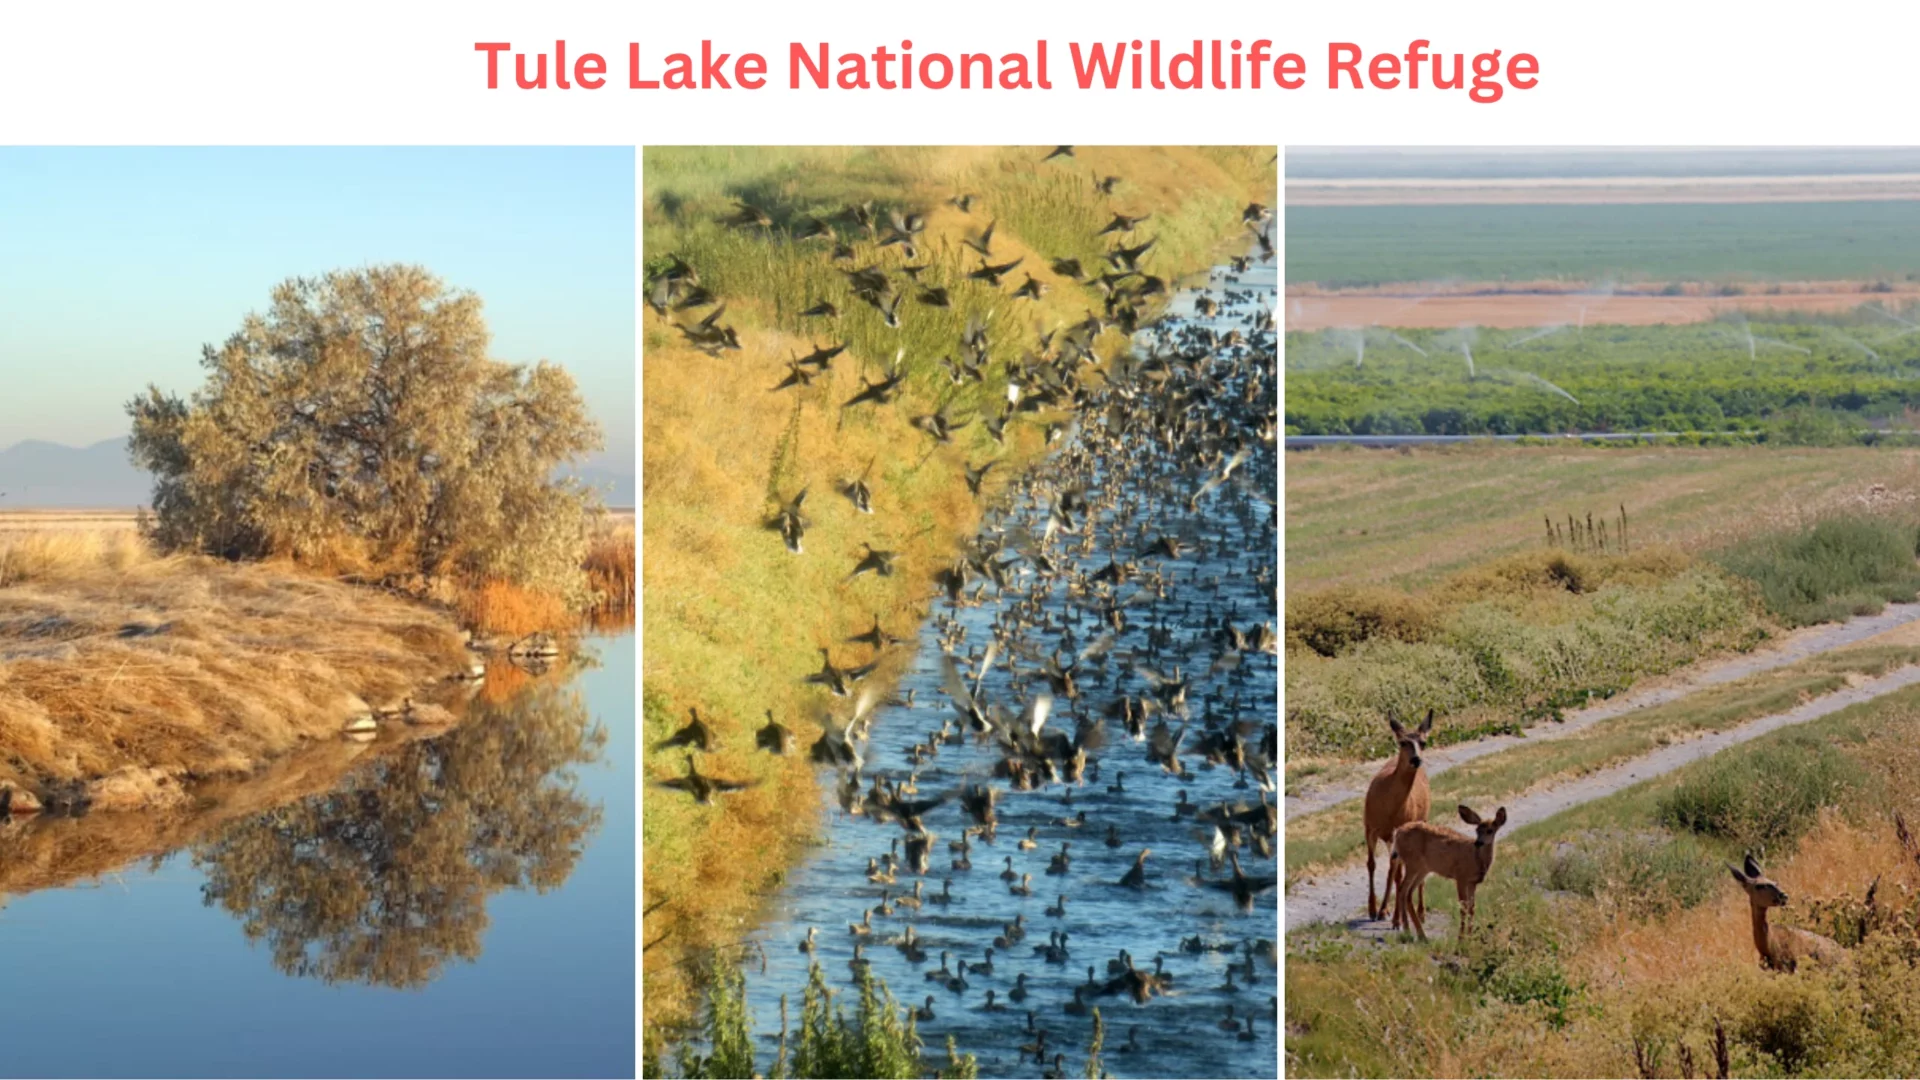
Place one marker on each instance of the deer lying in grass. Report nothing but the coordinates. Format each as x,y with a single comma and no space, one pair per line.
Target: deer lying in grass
1781,947
1397,794
1420,849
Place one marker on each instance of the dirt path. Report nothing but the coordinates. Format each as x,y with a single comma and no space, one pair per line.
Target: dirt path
1791,649
1341,897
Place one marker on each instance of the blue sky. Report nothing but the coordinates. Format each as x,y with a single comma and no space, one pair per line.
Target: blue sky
118,264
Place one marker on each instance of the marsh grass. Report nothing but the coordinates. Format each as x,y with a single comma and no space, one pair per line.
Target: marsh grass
611,567
733,621
878,1039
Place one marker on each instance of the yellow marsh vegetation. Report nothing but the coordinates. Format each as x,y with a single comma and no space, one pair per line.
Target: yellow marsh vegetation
733,621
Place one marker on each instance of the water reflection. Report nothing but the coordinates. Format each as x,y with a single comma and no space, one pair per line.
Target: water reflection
386,879
450,901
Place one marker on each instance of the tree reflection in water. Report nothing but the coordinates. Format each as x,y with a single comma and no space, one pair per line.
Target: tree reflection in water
386,879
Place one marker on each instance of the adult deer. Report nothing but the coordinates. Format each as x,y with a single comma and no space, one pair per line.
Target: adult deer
1420,848
1781,947
1397,794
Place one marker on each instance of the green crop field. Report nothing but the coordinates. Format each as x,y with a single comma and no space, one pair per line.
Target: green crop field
1731,375
1365,245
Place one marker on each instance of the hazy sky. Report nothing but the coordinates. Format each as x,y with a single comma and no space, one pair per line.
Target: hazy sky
117,265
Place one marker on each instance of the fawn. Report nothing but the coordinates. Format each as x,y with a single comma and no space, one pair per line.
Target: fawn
1420,849
1781,947
1396,795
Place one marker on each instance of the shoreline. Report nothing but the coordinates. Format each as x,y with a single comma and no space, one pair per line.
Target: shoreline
782,817
129,680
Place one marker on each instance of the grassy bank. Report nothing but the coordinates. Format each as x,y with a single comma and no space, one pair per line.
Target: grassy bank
129,677
124,674
733,621
1613,943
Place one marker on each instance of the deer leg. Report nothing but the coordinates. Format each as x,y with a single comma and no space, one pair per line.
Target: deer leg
1399,896
1465,892
1417,916
1373,906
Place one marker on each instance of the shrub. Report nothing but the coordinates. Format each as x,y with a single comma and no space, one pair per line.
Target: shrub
1332,621
359,424
1842,566
1765,798
1487,664
1644,877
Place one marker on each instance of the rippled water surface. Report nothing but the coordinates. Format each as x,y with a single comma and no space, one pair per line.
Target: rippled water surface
452,906
1177,1035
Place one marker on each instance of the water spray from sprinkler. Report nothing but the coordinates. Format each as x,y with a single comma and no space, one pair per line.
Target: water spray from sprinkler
1408,344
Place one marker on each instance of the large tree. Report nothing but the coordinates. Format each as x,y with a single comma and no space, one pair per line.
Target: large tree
359,423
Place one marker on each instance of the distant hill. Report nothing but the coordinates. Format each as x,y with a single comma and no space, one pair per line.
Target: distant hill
44,475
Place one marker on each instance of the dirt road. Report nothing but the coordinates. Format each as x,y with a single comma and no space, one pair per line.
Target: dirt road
1341,897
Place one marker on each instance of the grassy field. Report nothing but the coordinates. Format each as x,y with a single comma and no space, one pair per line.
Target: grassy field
1408,518
733,621
1365,245
1613,944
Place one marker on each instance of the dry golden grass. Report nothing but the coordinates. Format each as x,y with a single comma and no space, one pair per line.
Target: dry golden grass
501,607
610,563
733,621
129,674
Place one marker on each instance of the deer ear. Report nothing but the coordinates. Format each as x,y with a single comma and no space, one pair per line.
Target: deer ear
1500,818
1753,868
1398,731
1426,726
1468,816
1737,875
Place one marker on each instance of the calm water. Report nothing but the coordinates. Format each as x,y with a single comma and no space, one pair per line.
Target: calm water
461,906
1179,1034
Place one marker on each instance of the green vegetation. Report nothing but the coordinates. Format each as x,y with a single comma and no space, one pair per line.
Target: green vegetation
1612,943
880,1039
1365,245
1531,634
1765,799
1842,566
1516,641
1800,380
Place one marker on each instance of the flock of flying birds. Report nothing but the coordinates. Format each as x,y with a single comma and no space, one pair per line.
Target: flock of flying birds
1130,576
